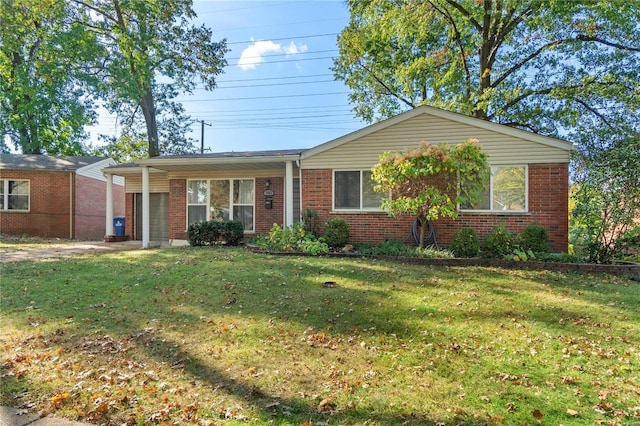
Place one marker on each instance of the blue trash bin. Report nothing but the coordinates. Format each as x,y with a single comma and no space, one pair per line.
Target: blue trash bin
118,226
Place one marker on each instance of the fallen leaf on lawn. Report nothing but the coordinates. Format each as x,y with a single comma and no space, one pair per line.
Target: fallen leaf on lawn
326,405
572,412
537,414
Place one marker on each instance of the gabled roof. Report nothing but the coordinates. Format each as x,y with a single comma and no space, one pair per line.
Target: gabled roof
46,162
455,117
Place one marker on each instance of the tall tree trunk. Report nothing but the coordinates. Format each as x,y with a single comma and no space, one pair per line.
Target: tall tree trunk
149,110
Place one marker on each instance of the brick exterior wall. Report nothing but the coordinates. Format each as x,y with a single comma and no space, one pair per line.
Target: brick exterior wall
49,210
129,215
91,207
265,218
548,207
177,209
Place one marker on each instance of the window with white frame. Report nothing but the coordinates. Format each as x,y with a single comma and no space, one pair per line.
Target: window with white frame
353,190
14,195
221,199
506,191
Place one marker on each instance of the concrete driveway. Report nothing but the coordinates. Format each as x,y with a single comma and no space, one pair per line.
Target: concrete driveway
11,251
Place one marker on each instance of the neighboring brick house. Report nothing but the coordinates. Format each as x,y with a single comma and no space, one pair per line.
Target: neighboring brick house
56,197
529,183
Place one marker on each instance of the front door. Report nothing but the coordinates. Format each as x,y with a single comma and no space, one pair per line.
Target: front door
158,216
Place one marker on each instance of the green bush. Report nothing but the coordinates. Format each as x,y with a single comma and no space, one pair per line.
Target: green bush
311,221
213,232
336,233
535,238
393,248
464,243
433,253
291,238
499,243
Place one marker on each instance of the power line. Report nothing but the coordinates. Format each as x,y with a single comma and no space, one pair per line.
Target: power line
285,38
262,97
309,52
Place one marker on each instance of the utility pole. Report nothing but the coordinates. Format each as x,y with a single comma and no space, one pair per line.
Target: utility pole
202,123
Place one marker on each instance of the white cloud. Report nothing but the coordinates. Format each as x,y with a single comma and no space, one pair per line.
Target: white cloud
253,55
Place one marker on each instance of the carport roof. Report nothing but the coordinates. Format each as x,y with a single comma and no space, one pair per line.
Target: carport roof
228,160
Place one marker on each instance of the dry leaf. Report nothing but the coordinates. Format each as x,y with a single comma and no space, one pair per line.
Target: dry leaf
537,414
572,412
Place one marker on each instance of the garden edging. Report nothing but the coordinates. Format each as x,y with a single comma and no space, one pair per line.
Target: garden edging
629,270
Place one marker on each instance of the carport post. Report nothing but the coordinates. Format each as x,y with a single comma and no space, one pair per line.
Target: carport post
109,216
145,207
288,190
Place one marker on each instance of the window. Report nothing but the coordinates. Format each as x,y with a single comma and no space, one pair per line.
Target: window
506,191
14,195
221,199
353,190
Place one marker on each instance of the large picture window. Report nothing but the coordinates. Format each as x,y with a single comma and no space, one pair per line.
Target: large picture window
353,190
221,199
14,195
506,191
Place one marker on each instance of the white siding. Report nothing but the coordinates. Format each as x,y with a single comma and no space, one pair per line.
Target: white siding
94,171
157,183
365,151
229,174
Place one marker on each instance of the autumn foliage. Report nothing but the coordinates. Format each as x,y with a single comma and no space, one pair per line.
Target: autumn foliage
430,181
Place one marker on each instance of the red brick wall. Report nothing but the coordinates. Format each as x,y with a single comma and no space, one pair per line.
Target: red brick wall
265,218
129,215
91,207
177,209
548,206
49,210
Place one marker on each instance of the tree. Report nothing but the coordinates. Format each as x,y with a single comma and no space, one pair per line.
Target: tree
45,77
606,219
151,52
542,66
131,143
432,180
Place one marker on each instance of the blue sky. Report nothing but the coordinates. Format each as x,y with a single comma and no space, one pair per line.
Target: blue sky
277,91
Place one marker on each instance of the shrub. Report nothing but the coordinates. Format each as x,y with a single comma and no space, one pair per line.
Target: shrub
291,238
535,238
465,243
364,248
433,253
311,221
499,243
336,233
393,248
213,232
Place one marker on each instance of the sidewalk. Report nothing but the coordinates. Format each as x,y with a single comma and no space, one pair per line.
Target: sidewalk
16,417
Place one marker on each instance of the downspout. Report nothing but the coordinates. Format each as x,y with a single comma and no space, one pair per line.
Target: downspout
71,205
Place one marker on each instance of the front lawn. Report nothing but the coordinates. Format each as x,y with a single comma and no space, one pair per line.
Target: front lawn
225,336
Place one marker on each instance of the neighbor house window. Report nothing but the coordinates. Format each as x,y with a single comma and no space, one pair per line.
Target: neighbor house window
14,195
506,191
353,190
221,199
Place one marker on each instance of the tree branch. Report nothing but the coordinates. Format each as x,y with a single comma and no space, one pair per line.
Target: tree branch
524,61
386,88
466,14
445,13
583,37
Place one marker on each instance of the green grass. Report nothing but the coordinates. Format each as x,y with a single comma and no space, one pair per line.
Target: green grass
225,336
